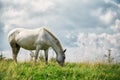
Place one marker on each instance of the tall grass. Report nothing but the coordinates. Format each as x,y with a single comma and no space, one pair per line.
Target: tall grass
71,71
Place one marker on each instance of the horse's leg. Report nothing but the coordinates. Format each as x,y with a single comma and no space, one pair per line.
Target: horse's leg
46,55
36,53
15,50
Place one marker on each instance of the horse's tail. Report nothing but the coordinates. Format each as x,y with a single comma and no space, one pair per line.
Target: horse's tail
11,36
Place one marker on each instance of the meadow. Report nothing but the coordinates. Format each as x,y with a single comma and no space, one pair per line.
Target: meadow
70,71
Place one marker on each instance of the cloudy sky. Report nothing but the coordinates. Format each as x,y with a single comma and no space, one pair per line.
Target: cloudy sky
87,28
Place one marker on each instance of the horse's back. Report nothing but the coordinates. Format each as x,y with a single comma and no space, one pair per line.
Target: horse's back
26,38
22,30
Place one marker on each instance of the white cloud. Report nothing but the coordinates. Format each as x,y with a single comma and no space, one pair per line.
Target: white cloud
116,27
96,45
13,13
114,3
13,17
42,6
108,16
107,1
6,28
97,12
86,1
25,13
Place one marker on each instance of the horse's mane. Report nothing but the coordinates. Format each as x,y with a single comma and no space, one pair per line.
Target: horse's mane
51,34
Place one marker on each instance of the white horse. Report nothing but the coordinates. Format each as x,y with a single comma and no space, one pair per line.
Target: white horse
35,39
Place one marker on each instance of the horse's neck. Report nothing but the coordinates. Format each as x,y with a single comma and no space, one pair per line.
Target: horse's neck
57,47
55,44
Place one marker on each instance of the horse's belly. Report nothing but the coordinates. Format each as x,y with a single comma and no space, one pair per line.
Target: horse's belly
27,46
26,43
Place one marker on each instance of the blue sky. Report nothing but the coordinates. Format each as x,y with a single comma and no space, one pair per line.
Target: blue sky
88,27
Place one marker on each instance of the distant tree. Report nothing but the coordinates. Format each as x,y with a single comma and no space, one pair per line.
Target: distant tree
1,55
109,57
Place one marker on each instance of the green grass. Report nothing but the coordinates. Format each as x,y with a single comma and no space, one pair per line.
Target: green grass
71,71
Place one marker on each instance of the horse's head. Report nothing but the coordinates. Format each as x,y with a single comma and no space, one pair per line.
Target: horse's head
61,58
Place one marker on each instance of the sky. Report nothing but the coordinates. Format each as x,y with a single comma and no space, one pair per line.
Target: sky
87,28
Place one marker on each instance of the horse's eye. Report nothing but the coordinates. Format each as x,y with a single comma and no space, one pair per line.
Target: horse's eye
63,57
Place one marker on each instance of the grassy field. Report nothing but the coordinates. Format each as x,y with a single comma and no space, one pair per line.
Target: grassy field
71,71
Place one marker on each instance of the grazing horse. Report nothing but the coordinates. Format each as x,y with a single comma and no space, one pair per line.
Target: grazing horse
35,39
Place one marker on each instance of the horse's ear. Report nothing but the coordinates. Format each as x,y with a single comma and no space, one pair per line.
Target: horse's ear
64,51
